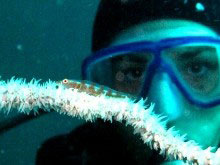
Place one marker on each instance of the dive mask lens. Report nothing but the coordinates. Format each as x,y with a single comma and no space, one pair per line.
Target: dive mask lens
197,68
123,71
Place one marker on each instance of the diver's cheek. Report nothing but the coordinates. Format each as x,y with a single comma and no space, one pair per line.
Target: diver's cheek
204,126
203,131
201,125
166,97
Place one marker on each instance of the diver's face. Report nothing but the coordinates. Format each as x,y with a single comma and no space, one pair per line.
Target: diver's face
201,125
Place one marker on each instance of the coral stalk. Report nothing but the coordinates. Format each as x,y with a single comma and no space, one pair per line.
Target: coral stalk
76,102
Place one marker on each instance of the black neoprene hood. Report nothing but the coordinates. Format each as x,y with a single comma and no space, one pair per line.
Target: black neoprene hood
113,16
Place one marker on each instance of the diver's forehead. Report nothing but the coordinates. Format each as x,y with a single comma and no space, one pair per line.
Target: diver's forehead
160,29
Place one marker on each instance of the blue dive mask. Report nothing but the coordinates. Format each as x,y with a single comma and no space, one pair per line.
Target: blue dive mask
192,63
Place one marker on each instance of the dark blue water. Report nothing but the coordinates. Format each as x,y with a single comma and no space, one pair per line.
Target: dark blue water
43,39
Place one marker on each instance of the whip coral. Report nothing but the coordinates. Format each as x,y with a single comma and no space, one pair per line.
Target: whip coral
84,102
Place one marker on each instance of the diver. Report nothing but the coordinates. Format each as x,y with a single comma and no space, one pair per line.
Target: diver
163,50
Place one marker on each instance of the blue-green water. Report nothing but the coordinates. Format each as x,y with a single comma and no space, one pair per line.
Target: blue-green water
43,39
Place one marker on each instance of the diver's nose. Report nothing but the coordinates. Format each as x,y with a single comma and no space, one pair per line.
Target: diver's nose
164,93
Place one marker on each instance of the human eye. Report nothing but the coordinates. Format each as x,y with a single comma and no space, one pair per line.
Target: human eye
198,69
201,74
198,62
133,73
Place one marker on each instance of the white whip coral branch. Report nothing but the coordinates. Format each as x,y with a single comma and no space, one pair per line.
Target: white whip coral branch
90,102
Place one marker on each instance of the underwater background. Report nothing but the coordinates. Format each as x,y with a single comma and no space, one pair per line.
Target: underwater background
42,39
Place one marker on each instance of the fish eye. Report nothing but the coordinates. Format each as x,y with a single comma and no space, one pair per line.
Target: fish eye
65,81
